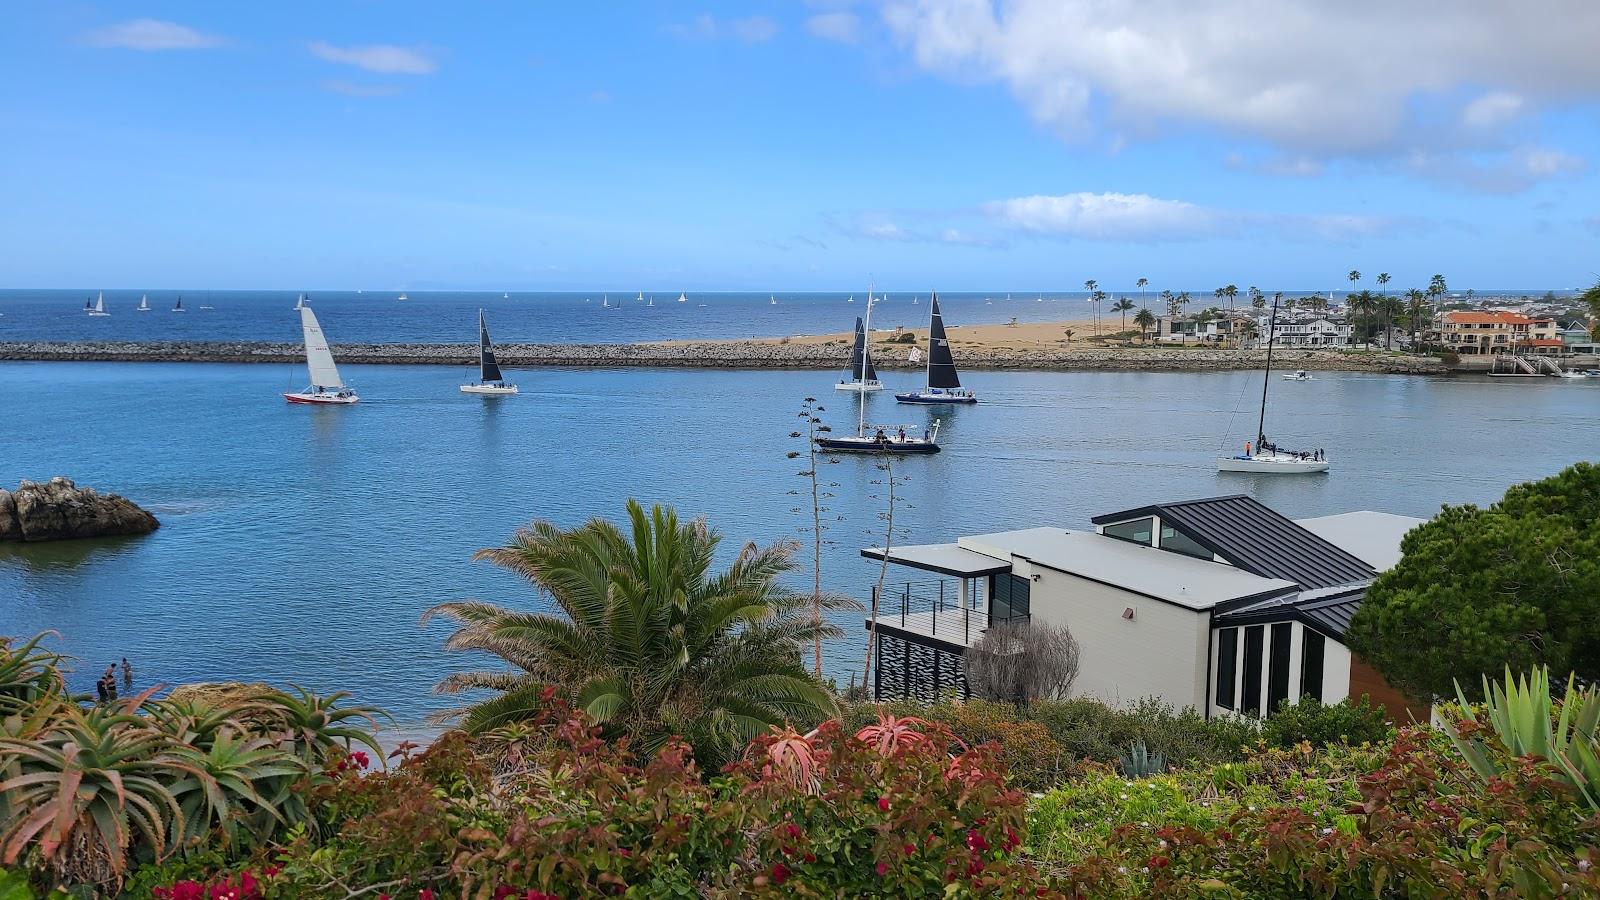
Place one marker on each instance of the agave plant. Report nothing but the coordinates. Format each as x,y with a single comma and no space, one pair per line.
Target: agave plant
198,723
235,780
87,789
791,757
1139,762
315,724
1522,715
28,674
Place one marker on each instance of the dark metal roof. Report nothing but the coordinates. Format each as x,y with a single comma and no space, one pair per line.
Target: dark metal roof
1254,537
1330,615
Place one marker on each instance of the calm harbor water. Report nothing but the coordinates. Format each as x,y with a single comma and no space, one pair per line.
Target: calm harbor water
302,544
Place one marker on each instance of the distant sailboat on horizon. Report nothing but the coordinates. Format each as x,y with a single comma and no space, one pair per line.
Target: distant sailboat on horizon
326,386
99,306
144,303
682,297
178,307
490,381
403,296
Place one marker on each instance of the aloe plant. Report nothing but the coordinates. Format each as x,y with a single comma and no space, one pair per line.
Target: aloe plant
223,787
1139,762
28,674
316,723
1522,715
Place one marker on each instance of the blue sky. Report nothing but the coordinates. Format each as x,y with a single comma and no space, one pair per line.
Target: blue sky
954,144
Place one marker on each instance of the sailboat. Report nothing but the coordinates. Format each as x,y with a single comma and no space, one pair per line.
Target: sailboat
682,297
326,387
506,295
144,303
883,439
771,300
178,307
402,296
88,304
652,299
605,301
863,378
489,380
852,299
99,305
943,384
1266,458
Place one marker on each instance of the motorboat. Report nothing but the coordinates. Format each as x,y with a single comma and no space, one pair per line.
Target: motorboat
1297,375
326,387
490,381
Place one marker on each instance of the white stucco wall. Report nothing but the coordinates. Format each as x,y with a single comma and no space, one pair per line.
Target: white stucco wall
1161,652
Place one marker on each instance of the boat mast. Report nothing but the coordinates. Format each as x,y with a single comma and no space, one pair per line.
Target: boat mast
861,377
1272,332
927,374
483,344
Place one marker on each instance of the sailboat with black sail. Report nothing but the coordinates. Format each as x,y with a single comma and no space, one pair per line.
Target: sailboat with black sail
899,440
862,377
943,384
326,387
1266,458
490,381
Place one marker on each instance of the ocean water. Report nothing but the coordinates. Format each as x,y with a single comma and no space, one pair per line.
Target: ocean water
440,317
303,544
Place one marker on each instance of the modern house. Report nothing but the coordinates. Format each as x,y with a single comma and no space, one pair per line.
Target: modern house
1315,332
1222,604
1469,332
1197,330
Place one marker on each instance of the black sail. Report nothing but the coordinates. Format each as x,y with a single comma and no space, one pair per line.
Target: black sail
941,365
486,361
859,351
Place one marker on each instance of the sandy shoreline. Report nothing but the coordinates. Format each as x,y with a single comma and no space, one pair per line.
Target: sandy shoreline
1038,346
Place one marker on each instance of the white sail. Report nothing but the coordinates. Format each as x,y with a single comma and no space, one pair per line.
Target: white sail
100,302
319,359
144,303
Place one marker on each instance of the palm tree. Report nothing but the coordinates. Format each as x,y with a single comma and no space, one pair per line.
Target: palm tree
1183,299
645,637
1167,298
1069,333
1091,286
1416,311
1437,288
1232,293
1383,279
1144,318
1099,297
1140,284
1257,299
1122,306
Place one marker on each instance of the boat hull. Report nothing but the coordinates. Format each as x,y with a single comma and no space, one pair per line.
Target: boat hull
321,398
859,387
919,397
490,389
1271,465
913,447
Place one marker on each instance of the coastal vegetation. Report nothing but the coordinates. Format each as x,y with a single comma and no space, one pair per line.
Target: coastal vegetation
1477,589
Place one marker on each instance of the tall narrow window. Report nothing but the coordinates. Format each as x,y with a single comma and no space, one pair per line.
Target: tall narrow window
1312,650
1227,665
1278,667
1251,689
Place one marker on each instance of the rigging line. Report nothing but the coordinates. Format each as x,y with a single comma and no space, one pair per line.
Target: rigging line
1244,385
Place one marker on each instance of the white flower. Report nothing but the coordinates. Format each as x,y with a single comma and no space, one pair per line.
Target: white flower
1327,831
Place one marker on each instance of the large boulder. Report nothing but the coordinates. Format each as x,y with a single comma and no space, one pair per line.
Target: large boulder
60,510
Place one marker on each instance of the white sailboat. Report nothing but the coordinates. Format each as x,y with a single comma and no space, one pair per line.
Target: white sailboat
1266,458
99,305
652,299
852,299
402,296
886,439
683,298
771,300
605,301
861,378
506,295
144,303
490,381
326,387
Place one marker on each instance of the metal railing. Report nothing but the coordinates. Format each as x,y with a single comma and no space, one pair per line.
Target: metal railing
934,608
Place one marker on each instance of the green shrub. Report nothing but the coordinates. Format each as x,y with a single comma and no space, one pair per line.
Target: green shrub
1350,721
1092,730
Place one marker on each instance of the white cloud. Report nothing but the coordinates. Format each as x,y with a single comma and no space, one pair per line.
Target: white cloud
151,34
1107,216
1492,110
385,59
1306,75
1502,173
844,27
1141,217
751,30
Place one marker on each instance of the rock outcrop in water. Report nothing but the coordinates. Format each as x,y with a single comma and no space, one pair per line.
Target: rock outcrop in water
60,510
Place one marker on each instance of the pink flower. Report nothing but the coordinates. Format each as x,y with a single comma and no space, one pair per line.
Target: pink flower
361,758
910,849
792,830
425,894
502,892
883,869
976,842
883,804
780,873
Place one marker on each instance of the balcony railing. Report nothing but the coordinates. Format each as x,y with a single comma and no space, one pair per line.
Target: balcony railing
936,609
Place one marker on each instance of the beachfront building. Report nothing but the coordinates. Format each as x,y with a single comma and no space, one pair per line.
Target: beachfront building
1197,329
1470,332
1319,331
1220,604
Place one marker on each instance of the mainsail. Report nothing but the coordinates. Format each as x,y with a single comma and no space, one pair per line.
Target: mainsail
856,356
488,368
941,365
319,359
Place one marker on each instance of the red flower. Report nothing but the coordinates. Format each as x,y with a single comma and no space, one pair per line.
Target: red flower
425,894
361,758
270,871
883,804
780,873
974,866
910,849
538,895
976,842
1011,839
811,857
883,869
792,830
502,892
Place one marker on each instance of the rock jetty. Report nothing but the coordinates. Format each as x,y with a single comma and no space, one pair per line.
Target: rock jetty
59,510
733,354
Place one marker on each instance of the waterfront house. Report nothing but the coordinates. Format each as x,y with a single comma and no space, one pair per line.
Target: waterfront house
1319,331
1220,604
1470,332
1197,329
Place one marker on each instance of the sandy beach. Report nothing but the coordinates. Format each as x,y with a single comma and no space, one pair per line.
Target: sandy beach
1038,336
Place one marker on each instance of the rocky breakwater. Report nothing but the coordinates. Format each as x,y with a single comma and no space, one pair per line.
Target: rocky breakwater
737,354
59,510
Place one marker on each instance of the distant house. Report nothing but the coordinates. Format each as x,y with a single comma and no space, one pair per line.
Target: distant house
1314,332
1221,604
1470,332
1193,330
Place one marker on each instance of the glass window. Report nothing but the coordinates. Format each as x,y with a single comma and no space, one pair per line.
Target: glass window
1227,665
1009,599
1253,641
1178,542
1278,667
1138,531
1312,649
